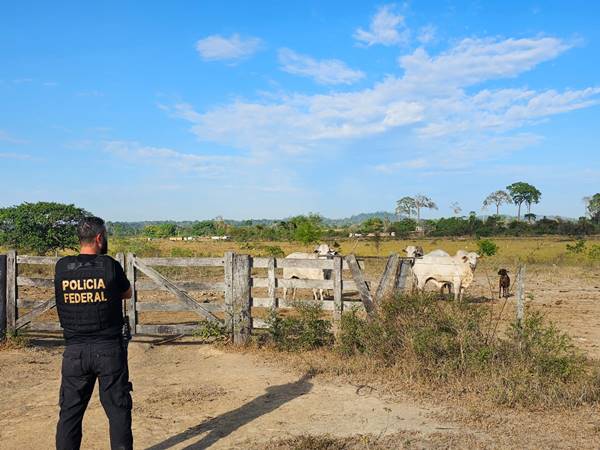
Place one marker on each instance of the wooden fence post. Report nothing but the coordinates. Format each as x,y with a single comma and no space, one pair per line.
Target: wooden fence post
387,282
338,304
242,319
361,285
228,301
2,297
272,283
11,292
520,296
131,273
403,274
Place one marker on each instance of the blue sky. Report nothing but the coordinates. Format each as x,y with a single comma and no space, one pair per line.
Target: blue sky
189,110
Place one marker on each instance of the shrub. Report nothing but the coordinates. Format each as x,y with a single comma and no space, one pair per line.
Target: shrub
487,247
451,344
211,331
306,331
274,251
350,339
577,247
594,252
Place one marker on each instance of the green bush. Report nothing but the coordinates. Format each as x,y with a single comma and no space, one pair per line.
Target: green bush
305,331
211,331
487,247
350,339
577,247
594,252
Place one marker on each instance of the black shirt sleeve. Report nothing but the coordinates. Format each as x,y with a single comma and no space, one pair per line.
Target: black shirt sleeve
120,278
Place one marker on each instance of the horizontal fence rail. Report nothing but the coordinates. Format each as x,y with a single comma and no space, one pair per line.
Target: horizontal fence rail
183,262
232,297
40,260
143,285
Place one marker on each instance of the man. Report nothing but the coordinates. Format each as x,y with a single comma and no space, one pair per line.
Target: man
89,289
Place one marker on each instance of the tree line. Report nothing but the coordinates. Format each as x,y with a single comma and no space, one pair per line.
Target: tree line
45,227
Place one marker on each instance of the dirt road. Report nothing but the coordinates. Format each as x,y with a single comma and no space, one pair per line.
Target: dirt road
196,396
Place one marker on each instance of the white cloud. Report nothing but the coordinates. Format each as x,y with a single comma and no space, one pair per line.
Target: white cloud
14,155
325,71
298,123
427,34
428,107
209,166
475,60
234,47
501,110
419,163
386,28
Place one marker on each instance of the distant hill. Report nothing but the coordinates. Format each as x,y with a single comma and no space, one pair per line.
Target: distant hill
359,218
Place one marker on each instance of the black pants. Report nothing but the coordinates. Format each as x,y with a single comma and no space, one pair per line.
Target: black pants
81,365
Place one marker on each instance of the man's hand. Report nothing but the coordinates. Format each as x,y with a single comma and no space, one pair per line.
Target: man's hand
127,294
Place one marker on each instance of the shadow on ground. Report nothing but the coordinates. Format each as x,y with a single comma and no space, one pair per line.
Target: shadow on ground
225,424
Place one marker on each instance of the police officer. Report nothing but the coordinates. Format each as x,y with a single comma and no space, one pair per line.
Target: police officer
89,289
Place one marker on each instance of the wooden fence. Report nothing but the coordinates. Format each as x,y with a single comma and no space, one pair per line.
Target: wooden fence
239,279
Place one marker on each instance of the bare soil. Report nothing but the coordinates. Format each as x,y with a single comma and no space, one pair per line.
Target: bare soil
191,395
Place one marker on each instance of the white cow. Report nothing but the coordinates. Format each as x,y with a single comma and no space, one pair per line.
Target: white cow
417,251
442,269
323,251
413,251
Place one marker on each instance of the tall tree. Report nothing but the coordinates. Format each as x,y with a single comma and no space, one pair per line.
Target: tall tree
40,227
497,198
455,207
422,201
522,192
307,229
593,207
406,206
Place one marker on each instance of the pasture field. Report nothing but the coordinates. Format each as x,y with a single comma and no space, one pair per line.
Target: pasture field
188,394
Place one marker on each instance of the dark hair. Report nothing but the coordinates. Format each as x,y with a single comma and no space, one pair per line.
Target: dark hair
89,227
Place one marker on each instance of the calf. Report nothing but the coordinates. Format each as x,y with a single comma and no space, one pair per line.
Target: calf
503,283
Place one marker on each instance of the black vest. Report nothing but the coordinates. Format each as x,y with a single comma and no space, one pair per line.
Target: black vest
87,298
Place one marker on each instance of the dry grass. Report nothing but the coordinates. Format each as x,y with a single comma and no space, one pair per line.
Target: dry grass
452,350
14,342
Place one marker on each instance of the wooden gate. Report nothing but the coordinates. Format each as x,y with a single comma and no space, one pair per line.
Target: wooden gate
237,284
233,314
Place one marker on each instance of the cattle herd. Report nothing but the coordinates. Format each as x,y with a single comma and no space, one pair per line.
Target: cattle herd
456,273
